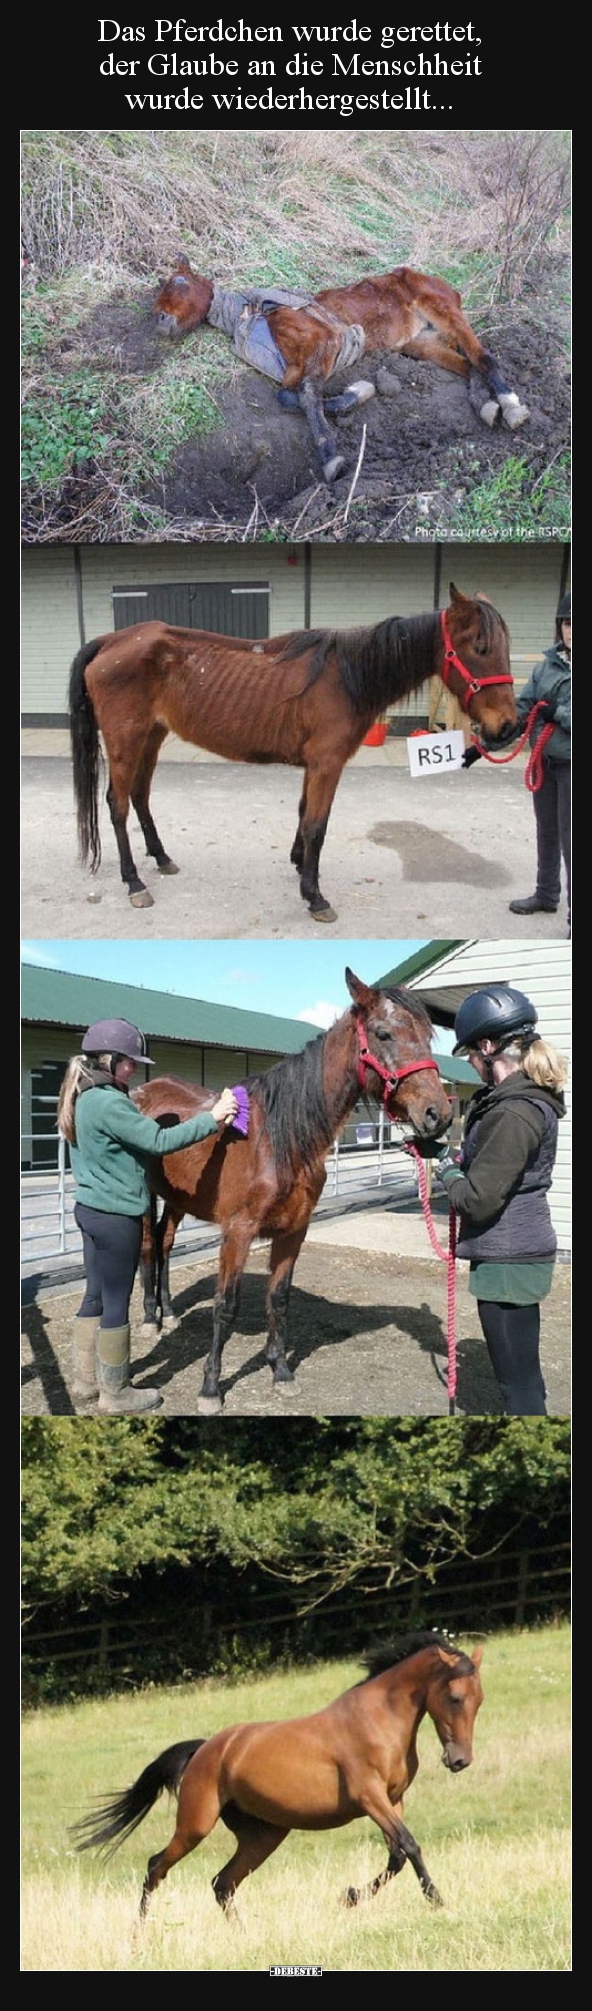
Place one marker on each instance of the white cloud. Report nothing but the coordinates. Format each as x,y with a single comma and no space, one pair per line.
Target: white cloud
322,1014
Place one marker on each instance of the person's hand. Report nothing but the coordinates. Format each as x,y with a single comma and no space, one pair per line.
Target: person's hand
545,710
445,1166
470,755
225,1108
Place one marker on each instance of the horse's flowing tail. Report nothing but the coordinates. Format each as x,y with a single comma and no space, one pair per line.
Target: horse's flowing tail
86,758
111,1821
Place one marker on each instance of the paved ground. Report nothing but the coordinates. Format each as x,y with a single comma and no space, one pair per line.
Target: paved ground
368,1331
438,856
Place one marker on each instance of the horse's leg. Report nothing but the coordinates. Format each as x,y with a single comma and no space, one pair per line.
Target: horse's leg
311,403
148,1268
375,1803
166,1231
140,799
319,790
285,1250
441,345
255,1841
234,1250
297,852
186,1838
122,774
344,401
396,1860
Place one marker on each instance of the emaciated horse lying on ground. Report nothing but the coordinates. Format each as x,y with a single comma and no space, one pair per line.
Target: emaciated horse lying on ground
357,1757
302,340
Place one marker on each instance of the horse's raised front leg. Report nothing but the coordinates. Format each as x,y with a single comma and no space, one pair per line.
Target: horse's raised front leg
234,1250
140,799
375,1803
284,1252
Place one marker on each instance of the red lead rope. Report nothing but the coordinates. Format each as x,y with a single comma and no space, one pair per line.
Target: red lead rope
448,1257
533,773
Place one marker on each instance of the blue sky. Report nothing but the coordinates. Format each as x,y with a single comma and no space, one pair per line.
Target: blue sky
296,980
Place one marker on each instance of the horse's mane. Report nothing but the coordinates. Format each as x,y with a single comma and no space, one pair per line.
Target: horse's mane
292,1093
377,665
388,1653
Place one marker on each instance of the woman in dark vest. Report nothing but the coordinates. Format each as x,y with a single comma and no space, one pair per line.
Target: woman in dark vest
111,1144
501,1185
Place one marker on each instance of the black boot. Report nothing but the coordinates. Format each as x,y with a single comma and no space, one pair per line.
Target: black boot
534,905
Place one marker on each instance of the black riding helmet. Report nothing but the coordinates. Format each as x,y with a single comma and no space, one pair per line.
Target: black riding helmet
563,614
116,1036
498,1013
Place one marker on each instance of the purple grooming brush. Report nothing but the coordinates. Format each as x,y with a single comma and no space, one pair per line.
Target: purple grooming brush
241,1121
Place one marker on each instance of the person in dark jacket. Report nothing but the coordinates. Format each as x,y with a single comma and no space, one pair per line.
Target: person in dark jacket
111,1144
551,683
501,1185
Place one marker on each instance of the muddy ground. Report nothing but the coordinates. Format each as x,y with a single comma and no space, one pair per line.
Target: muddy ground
367,1338
424,450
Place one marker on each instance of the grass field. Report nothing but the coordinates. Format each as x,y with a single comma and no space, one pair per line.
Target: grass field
495,1839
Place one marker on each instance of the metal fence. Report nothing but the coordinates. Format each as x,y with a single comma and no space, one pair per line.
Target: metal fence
365,1160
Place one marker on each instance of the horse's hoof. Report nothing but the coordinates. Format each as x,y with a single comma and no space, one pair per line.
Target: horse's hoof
149,1330
284,1376
324,914
513,413
167,867
433,1895
169,1323
334,468
209,1406
351,1897
489,411
363,390
142,900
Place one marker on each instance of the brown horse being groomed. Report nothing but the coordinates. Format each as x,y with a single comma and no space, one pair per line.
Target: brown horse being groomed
355,1758
267,1183
302,340
306,699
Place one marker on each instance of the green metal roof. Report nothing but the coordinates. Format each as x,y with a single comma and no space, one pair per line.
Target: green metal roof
63,999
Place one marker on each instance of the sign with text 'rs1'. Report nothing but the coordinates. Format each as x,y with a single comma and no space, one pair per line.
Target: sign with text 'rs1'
435,753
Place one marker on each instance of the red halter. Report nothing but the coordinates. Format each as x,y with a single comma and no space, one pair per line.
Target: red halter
453,662
390,1077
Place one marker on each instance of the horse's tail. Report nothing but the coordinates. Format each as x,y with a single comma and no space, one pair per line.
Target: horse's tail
86,757
111,1821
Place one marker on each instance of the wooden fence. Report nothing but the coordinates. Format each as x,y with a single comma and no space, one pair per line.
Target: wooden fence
512,1588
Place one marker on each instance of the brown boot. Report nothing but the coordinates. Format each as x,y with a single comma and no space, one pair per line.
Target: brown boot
84,1373
117,1395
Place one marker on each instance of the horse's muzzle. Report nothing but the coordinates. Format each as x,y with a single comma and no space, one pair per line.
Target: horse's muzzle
506,733
167,324
454,1760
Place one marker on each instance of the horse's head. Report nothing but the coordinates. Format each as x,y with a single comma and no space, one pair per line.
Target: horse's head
476,665
453,1698
394,1060
184,301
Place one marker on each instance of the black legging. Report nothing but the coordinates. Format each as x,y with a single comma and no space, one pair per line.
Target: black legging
111,1247
512,1334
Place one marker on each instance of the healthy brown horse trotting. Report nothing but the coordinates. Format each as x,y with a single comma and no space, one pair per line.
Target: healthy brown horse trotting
306,699
267,1184
302,340
357,1757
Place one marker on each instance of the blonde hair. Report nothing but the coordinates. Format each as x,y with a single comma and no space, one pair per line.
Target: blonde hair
540,1061
78,1072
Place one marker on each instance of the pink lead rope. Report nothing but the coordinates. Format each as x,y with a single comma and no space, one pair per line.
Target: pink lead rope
449,1258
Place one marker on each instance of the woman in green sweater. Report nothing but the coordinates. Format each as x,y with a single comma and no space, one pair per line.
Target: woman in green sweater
111,1145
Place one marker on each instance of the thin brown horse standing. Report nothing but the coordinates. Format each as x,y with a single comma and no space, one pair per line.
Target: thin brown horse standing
306,699
357,1757
302,340
267,1184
